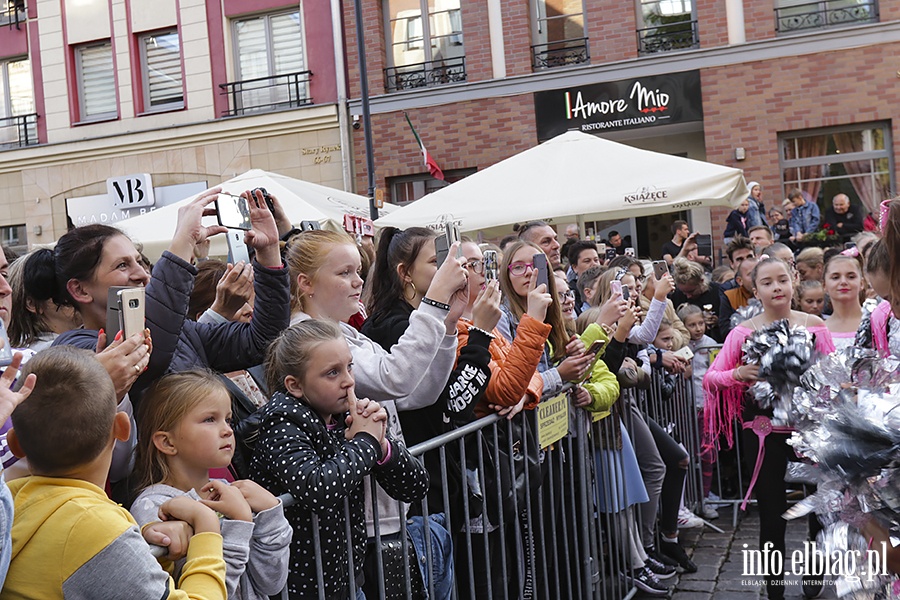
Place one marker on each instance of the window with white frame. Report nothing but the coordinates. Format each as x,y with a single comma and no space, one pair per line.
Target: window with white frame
853,160
424,51
797,16
96,82
558,33
270,63
17,118
666,25
163,88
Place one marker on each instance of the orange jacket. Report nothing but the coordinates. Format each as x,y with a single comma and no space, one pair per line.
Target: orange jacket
513,366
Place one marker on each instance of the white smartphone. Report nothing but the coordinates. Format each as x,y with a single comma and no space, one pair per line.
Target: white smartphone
684,353
237,249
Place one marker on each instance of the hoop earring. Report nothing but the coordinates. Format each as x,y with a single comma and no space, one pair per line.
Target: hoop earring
415,291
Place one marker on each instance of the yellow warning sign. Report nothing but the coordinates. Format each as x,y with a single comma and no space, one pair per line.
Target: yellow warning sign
553,420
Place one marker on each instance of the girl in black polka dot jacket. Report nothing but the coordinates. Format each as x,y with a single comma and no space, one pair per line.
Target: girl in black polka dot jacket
318,442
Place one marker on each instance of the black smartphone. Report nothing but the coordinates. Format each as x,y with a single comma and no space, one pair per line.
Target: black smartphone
704,244
233,212
490,266
594,350
441,249
610,253
541,271
309,225
660,268
266,196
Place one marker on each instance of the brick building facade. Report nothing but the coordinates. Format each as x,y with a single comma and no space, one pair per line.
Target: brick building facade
805,94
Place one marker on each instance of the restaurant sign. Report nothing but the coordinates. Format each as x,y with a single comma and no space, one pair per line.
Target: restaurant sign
618,105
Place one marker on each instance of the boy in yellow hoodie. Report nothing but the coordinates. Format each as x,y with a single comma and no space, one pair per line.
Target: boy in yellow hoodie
68,539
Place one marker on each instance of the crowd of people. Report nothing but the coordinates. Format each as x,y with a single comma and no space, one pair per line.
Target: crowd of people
241,425
797,219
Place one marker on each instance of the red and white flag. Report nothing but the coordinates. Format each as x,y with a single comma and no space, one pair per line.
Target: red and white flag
433,167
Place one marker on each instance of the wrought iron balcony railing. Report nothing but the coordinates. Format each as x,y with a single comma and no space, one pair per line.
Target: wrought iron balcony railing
426,74
267,94
825,13
13,13
18,131
563,53
667,37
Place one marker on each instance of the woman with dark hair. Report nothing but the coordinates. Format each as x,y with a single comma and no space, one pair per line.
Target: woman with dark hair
36,320
89,260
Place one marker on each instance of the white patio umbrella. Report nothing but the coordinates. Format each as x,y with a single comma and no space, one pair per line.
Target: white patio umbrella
575,175
302,201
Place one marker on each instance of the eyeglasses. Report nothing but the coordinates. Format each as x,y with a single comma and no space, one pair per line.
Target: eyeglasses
476,266
518,269
567,295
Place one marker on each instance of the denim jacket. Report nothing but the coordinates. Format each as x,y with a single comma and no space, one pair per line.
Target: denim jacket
805,219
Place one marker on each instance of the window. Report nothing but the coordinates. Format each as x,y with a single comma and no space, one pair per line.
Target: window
96,82
18,122
792,16
558,34
270,63
14,237
13,13
853,160
667,25
409,188
161,69
424,52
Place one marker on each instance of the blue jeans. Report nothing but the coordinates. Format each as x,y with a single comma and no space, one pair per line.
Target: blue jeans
441,576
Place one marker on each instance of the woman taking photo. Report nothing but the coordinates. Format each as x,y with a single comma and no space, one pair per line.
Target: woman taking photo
324,270
564,359
89,260
765,445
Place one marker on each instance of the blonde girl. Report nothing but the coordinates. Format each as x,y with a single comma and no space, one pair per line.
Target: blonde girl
184,431
318,443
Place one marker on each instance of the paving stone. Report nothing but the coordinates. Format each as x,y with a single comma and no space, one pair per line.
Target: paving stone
691,596
705,573
692,585
748,595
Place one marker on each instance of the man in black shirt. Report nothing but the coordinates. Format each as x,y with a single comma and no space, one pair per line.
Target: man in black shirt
671,249
844,219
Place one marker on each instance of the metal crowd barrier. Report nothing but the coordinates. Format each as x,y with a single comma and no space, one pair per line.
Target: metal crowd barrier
554,542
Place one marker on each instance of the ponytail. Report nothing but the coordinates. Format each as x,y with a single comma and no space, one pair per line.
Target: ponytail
32,277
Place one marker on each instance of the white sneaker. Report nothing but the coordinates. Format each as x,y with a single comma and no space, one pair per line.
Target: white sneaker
688,520
708,512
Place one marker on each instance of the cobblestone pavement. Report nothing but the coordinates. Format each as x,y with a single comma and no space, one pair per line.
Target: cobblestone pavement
720,562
